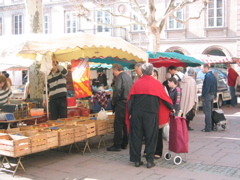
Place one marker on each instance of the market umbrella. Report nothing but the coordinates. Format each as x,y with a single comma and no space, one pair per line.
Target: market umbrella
67,47
206,58
167,59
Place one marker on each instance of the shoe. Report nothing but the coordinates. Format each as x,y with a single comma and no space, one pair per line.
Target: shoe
112,148
137,164
150,164
190,129
157,156
203,130
123,146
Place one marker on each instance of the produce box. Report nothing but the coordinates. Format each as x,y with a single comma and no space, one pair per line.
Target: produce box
65,135
14,146
110,125
12,130
90,127
101,127
80,133
38,140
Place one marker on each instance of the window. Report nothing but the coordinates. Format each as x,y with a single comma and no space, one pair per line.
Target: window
46,24
103,18
172,23
71,22
18,24
1,26
137,27
215,13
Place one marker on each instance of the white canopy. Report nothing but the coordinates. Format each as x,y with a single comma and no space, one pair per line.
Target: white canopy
66,47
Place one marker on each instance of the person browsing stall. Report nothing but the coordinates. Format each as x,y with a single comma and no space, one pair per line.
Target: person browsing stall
148,106
121,90
209,93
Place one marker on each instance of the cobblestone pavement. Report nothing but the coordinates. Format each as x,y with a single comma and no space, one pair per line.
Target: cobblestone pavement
214,155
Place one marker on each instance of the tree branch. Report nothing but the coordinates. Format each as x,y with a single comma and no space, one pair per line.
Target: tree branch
189,18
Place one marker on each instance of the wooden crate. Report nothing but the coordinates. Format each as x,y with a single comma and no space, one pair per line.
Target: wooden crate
110,125
52,139
12,130
65,136
80,133
38,141
90,127
14,146
101,127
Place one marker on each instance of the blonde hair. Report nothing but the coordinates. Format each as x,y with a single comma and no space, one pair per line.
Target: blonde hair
3,79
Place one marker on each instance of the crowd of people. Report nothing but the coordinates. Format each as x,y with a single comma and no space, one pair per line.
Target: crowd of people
144,107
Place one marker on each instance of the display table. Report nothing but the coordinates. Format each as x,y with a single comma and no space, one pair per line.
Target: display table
21,120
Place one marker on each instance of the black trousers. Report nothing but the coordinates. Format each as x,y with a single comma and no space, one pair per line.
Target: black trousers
143,123
159,149
120,129
58,108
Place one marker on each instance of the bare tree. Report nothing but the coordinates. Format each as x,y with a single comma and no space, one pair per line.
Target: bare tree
147,18
35,15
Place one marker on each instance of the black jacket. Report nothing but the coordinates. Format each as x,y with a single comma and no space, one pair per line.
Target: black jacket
121,88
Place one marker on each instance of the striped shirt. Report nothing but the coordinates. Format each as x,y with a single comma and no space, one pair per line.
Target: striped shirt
56,84
4,96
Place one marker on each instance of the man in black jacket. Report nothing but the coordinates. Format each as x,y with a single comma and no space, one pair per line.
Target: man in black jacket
121,88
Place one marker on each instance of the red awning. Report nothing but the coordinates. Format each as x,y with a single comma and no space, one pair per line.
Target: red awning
213,59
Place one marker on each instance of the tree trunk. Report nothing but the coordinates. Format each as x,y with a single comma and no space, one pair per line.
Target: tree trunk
154,41
35,15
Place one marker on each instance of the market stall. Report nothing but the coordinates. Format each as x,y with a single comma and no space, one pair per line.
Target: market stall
62,48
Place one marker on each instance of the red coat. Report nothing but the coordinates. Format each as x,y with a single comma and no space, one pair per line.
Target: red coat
232,76
148,85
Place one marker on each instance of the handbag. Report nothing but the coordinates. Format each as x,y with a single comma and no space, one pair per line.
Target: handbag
190,115
237,90
165,132
102,114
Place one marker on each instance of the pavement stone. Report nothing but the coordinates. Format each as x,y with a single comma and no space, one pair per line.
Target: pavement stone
213,155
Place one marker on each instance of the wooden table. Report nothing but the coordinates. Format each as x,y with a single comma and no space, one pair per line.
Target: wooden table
21,120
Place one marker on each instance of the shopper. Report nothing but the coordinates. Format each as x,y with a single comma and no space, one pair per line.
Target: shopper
189,95
178,75
5,94
121,90
148,106
209,93
138,70
232,77
175,94
56,84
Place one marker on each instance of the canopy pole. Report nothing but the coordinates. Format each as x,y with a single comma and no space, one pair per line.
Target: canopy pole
46,95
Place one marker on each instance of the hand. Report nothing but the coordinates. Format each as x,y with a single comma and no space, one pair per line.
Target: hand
44,103
174,111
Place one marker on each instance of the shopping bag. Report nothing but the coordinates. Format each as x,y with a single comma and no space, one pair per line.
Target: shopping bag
178,135
190,115
102,115
165,132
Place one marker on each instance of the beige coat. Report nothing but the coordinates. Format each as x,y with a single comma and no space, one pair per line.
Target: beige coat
189,94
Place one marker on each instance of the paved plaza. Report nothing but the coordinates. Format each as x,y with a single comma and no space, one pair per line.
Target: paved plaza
212,155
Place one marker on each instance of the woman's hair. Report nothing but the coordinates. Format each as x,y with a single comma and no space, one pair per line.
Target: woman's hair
172,79
4,79
155,70
147,69
117,67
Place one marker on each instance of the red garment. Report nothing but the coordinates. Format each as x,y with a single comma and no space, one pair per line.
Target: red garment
148,85
232,76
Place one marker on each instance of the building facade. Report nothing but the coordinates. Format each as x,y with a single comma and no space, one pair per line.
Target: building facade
216,32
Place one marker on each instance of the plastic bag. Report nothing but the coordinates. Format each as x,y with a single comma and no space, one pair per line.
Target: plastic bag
165,132
102,115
